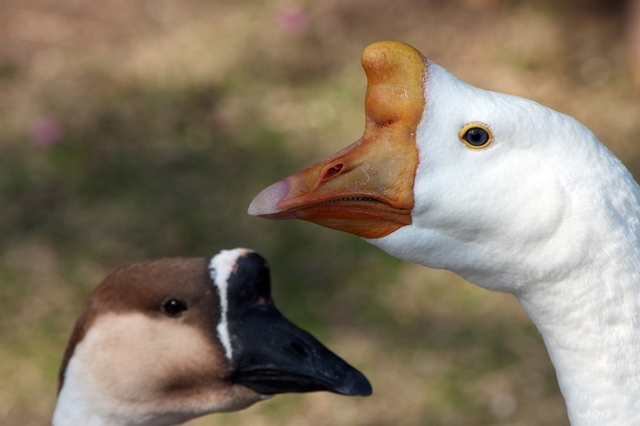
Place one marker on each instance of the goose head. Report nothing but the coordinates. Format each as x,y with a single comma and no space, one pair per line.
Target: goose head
496,188
163,341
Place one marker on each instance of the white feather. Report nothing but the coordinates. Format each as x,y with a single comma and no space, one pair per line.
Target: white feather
220,267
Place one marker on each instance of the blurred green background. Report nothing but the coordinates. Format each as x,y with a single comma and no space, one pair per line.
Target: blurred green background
135,129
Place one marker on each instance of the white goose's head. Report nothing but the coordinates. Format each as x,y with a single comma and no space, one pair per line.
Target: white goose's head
164,341
488,185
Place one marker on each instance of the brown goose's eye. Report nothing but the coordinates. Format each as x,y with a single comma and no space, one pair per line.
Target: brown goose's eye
174,307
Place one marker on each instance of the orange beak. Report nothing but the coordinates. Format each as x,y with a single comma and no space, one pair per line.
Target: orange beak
367,188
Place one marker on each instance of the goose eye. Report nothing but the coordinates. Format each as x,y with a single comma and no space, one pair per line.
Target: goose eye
174,307
475,135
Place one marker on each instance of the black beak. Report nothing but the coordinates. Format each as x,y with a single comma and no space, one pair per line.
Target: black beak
273,356
270,354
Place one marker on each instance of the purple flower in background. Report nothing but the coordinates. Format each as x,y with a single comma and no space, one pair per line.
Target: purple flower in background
46,132
292,19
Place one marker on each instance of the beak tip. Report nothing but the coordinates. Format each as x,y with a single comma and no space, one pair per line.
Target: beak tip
358,391
265,203
358,386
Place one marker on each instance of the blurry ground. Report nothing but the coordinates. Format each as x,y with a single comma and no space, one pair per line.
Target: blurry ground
133,129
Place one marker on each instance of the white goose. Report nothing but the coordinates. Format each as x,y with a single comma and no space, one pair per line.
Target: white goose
509,194
161,342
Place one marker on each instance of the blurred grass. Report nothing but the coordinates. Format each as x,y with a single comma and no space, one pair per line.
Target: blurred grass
174,114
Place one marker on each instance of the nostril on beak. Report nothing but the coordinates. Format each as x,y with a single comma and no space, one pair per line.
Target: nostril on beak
298,348
332,171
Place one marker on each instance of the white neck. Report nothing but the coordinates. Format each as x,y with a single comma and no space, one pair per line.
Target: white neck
589,317
590,322
590,325
73,409
79,404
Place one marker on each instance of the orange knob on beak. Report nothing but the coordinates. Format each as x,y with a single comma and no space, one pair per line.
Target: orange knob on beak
367,188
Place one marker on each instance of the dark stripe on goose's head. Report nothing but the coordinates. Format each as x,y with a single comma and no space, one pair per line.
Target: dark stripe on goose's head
270,354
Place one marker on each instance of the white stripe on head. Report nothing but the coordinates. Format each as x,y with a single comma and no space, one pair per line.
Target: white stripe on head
220,268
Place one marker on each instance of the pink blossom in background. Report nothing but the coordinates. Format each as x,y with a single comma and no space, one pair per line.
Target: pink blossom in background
292,19
46,132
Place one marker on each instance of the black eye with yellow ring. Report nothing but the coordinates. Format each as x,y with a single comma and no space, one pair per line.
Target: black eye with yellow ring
475,135
173,307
